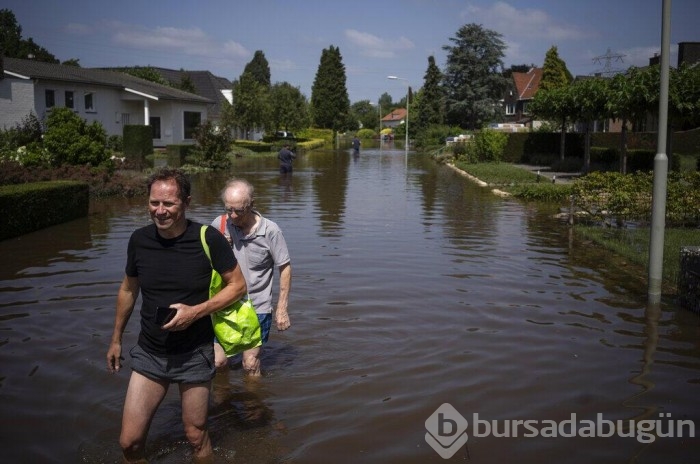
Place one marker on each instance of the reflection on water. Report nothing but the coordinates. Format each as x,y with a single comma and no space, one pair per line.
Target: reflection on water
412,288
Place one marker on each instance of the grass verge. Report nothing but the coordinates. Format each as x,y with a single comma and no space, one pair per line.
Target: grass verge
633,245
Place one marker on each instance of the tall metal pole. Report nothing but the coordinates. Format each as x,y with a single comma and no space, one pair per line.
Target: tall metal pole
658,201
408,89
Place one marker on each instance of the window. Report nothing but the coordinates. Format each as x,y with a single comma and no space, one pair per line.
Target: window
191,120
50,98
69,99
525,107
125,118
510,108
89,101
154,122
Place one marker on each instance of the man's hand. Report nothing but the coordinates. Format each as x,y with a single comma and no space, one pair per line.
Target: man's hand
114,357
282,320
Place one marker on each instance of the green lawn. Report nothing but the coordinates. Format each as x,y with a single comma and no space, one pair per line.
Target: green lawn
631,243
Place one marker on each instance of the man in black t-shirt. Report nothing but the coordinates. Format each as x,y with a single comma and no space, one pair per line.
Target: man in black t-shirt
286,156
166,265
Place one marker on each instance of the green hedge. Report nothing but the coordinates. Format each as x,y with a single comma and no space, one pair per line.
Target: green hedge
34,206
138,143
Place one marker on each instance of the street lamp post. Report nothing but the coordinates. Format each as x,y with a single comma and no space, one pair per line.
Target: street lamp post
408,88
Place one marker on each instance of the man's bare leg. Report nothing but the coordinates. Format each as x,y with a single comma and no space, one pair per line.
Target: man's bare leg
142,399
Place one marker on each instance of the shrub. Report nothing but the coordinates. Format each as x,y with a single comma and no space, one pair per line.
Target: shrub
366,134
212,146
70,140
488,145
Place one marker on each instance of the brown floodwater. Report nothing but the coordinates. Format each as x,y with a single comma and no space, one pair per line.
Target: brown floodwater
413,287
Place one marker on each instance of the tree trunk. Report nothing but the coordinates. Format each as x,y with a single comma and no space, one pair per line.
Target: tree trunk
623,147
562,142
587,149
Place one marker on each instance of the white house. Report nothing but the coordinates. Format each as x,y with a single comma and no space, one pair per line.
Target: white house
113,98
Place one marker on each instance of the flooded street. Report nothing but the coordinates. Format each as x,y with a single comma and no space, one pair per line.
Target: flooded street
412,287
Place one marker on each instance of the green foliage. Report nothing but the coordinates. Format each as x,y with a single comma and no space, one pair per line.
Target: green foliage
431,105
554,71
14,46
473,81
487,145
115,143
148,73
366,134
137,143
542,191
498,173
365,114
435,135
251,104
617,198
212,146
259,69
70,140
330,105
29,207
25,133
289,107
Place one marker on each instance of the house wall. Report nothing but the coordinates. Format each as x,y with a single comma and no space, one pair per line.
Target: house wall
113,108
16,101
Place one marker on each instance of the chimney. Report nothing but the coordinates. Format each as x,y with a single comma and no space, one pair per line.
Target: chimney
656,59
688,52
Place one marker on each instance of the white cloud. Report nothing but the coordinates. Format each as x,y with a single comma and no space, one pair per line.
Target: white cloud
78,29
375,47
523,23
191,41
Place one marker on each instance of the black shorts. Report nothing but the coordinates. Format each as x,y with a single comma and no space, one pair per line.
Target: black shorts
193,368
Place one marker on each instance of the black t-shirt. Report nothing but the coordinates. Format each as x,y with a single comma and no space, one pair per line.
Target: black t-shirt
175,271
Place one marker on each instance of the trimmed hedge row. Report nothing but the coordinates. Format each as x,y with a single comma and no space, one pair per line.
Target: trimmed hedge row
33,206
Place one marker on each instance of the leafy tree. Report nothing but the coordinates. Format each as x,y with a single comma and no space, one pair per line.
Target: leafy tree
251,104
212,146
684,96
330,104
364,114
554,71
589,103
430,107
14,46
186,83
552,99
72,62
148,73
259,68
629,98
385,101
71,140
289,107
473,77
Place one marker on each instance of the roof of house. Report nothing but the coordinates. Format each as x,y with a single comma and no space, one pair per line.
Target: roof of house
205,83
527,83
56,72
396,115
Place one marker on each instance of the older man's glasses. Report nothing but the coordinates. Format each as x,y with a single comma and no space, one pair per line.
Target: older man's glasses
238,212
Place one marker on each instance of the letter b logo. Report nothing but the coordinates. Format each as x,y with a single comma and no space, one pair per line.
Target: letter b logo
446,430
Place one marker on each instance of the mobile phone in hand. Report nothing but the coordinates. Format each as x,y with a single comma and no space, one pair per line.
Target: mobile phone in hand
164,314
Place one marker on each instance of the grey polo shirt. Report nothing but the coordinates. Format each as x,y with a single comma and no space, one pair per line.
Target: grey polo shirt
258,255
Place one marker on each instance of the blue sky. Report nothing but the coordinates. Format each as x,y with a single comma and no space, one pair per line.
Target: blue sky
376,38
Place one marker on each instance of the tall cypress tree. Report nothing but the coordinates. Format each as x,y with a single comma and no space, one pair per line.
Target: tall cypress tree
431,105
259,69
554,71
330,104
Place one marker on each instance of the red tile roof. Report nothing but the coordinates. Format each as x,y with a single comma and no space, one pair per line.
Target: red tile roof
397,115
527,83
